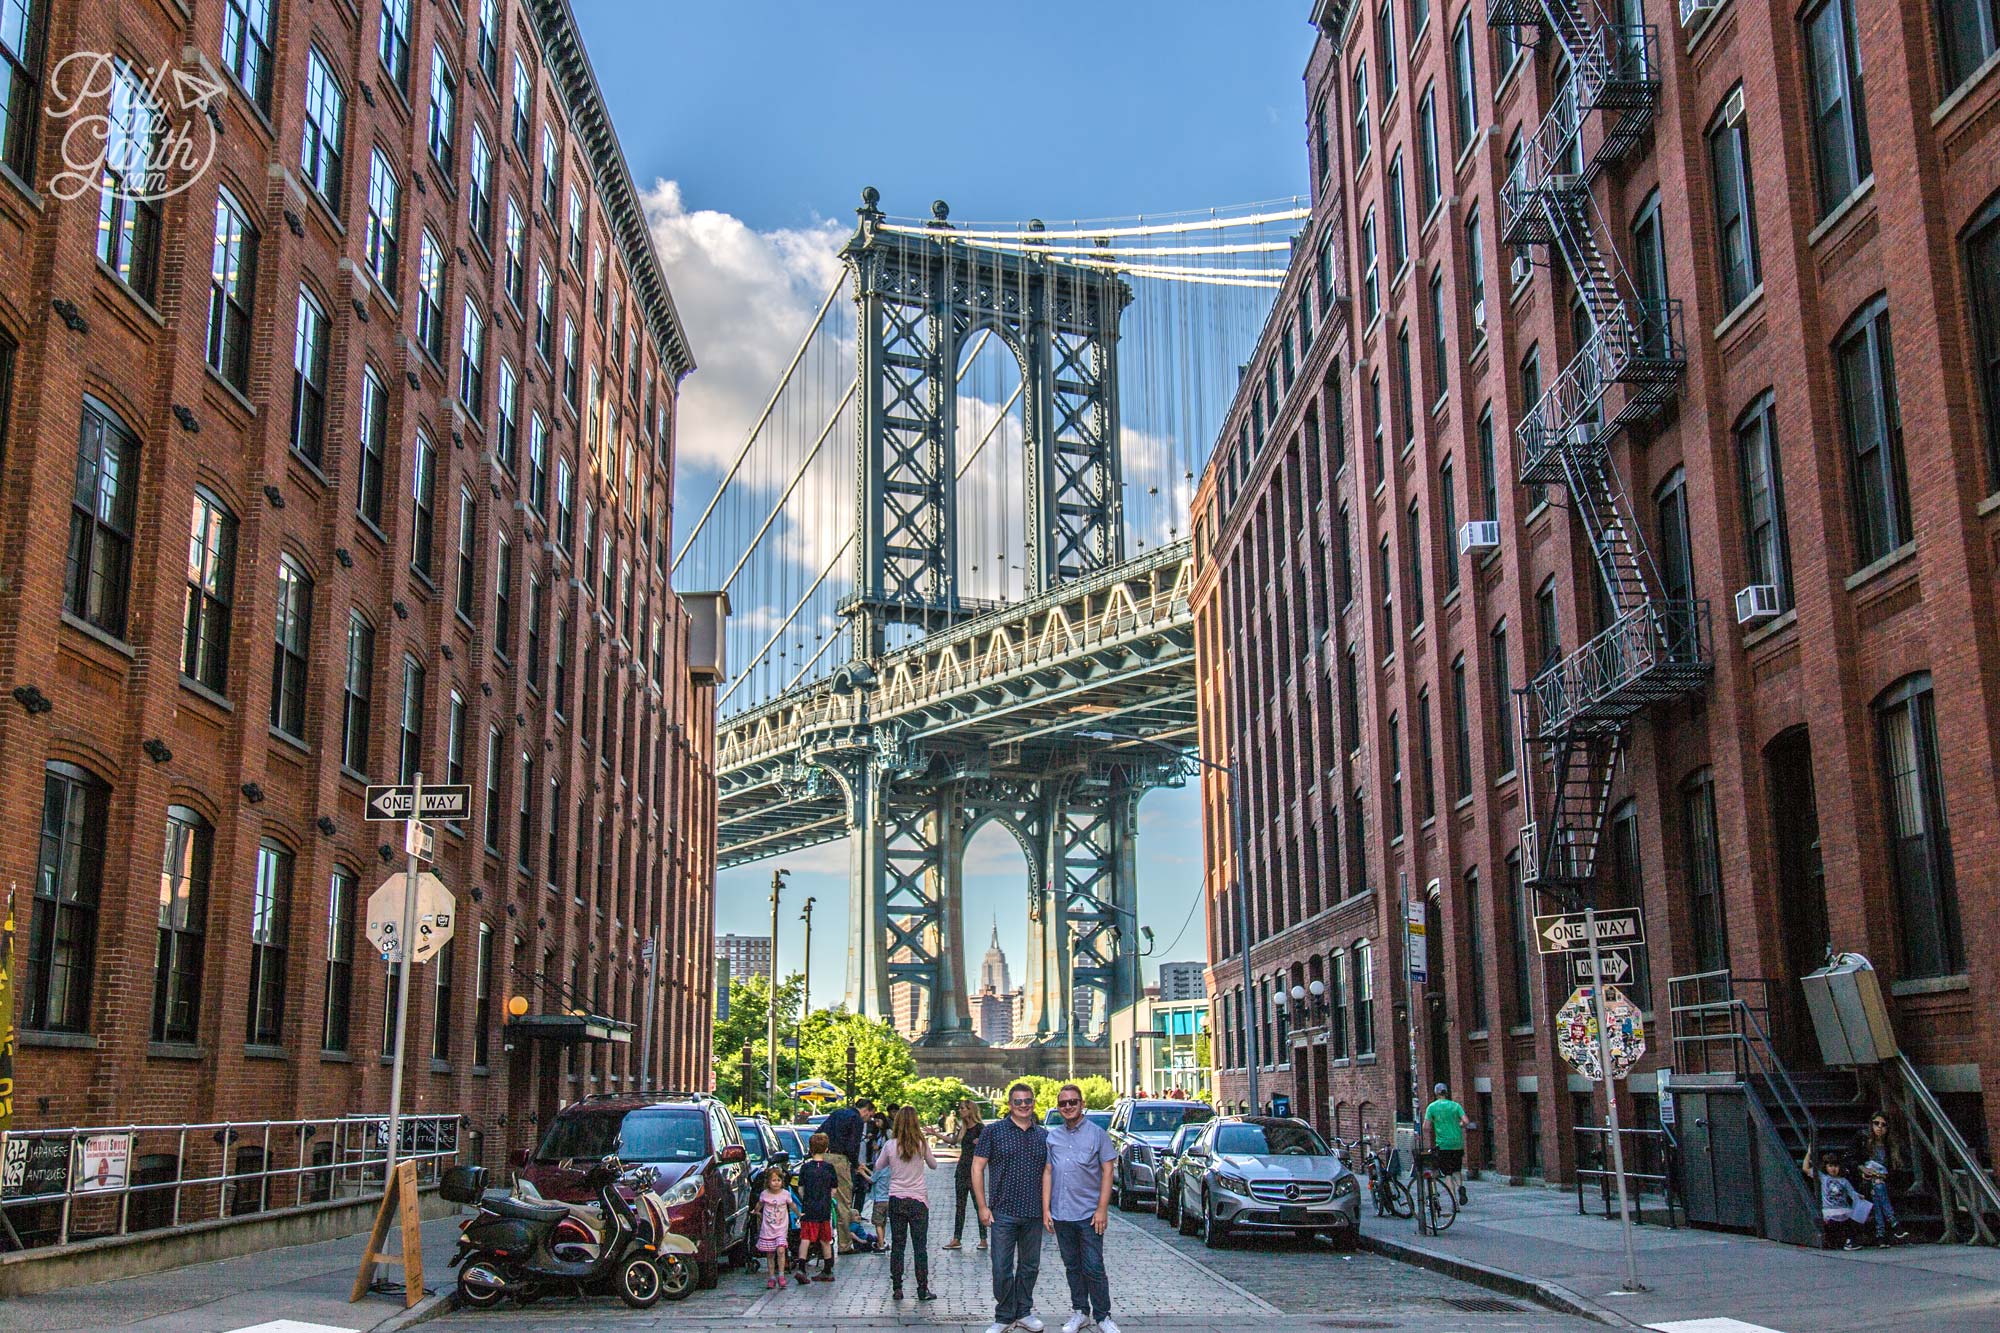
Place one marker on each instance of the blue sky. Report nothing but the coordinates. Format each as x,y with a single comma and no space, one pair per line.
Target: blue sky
751,128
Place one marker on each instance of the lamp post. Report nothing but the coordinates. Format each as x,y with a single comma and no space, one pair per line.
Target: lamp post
805,999
1069,956
850,1069
771,1022
1240,856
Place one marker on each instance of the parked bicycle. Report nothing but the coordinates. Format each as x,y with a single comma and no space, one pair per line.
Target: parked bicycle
1385,1184
1436,1207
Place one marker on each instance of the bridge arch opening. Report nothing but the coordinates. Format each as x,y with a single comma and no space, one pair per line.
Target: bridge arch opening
991,491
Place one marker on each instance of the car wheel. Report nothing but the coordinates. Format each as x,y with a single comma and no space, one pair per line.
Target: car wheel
1184,1221
1213,1231
708,1271
1346,1239
1123,1193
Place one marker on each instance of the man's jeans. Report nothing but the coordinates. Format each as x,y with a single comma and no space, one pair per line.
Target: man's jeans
1083,1260
1017,1262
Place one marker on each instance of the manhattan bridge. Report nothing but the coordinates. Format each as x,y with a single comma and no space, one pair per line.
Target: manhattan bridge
955,542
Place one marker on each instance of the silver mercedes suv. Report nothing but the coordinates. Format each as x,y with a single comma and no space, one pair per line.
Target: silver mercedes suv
1266,1173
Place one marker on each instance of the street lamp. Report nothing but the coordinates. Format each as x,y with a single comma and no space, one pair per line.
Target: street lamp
805,1000
1069,1021
771,1020
850,1069
1241,858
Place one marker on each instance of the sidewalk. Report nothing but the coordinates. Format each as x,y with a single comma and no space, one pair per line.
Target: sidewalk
1535,1237
304,1283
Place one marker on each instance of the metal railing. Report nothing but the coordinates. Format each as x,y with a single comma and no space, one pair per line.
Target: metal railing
1649,1167
1600,682
1634,342
148,1177
1717,1030
1963,1185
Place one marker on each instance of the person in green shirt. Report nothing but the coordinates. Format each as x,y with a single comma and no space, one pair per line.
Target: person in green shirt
1444,1132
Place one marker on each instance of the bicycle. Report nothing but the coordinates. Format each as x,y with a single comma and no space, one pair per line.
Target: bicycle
1385,1186
1436,1207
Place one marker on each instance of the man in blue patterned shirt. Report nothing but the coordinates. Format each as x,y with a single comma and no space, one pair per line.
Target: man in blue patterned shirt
1007,1171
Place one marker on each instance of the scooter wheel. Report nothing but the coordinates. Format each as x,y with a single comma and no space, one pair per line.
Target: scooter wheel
639,1283
481,1283
677,1276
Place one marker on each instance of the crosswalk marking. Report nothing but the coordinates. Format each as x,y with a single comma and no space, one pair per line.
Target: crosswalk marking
291,1326
1714,1325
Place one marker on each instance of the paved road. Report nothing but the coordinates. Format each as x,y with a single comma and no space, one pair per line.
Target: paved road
1160,1282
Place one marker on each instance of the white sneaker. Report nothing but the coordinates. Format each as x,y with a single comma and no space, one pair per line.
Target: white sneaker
1075,1322
1029,1322
1105,1325
997,1327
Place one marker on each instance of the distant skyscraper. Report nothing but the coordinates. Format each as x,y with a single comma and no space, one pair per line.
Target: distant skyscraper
1183,981
993,970
995,1013
748,955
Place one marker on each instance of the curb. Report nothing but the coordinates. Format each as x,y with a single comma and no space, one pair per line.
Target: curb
1550,1294
430,1307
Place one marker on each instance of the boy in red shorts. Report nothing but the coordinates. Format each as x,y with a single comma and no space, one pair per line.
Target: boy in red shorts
817,1179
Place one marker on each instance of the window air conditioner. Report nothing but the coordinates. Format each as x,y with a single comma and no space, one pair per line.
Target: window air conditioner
1561,182
1694,9
1521,269
1583,434
1479,315
1756,603
1478,536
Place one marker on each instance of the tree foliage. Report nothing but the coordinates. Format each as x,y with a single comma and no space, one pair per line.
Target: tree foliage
935,1098
1097,1091
747,1024
883,1064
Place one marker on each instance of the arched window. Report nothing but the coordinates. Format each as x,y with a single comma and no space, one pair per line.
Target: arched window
1982,271
62,937
1767,552
1879,490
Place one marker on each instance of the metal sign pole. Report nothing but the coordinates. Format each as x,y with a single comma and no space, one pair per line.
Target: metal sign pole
1410,1020
411,835
1611,1102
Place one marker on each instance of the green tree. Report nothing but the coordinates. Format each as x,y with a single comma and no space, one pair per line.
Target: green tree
1097,1092
749,1015
883,1064
936,1097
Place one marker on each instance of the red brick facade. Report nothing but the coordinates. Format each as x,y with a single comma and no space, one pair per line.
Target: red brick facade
601,730
1807,713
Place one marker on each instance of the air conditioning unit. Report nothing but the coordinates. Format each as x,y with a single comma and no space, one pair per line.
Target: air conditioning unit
1521,269
1583,434
1479,536
1694,9
1479,315
1562,182
1757,603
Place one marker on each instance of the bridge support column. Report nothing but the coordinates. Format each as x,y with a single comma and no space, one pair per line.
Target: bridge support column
867,906
950,1022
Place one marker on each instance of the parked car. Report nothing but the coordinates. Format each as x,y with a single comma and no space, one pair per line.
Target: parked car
700,1165
1141,1127
796,1143
1166,1163
762,1147
1102,1119
1266,1173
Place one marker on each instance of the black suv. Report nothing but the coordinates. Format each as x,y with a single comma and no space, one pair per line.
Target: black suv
700,1166
1140,1128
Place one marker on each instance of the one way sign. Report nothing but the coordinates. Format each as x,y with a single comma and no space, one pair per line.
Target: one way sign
1615,964
1564,932
397,801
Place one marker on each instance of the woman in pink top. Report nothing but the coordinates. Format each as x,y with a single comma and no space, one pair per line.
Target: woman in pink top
906,1157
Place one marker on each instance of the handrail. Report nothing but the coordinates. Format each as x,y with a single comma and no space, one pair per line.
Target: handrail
1742,1026
1963,1176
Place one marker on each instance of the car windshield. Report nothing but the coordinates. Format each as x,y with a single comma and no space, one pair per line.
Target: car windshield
650,1134
753,1140
793,1143
1271,1140
1165,1119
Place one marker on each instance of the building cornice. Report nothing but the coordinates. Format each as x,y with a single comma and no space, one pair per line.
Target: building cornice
562,49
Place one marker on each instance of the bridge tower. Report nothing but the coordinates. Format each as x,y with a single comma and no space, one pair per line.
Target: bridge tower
921,296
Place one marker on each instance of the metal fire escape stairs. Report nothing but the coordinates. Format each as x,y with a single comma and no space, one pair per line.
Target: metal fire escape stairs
1654,648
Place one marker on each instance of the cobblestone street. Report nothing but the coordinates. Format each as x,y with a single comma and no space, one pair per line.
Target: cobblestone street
1159,1280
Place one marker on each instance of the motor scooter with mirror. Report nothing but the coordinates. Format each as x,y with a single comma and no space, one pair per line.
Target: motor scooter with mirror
507,1249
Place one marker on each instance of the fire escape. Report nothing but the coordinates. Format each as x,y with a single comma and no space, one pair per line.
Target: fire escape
1626,370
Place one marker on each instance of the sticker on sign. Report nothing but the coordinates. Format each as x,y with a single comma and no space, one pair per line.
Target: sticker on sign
398,801
1566,931
435,917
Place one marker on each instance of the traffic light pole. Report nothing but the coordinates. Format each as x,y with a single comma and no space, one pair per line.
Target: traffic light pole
412,833
1611,1100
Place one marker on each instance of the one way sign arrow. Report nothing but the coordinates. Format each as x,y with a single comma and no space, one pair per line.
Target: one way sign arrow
397,801
1566,932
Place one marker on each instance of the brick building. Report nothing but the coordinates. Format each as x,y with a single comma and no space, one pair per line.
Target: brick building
1826,780
437,542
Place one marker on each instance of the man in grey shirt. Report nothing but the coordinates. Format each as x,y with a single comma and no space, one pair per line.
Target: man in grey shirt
1076,1206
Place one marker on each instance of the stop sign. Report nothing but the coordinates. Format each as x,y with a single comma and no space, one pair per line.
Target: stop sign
1576,1032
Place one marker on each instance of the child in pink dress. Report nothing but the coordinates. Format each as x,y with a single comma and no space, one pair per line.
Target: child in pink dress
774,1209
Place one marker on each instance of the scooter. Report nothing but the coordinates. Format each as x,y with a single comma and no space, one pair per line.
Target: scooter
578,1236
506,1249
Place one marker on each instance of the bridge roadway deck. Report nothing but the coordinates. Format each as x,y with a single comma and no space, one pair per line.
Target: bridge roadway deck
1003,692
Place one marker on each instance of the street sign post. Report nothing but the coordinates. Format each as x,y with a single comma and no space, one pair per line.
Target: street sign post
1419,952
413,800
1593,937
1616,966
1575,932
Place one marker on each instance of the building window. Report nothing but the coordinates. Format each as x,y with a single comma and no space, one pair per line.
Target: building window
1385,46
1521,907
1461,717
515,241
1767,552
393,44
1399,230
357,688
1649,275
184,872
506,429
1548,628
1475,951
1427,152
1503,699
538,464
572,363
128,210
292,643
467,545
492,812
430,296
1628,888
1440,357
1475,273
503,585
211,583
479,188
1370,290
1350,701
102,511
1363,955
374,430
1363,122
560,689
482,1006
1874,424
565,506
1413,544
1395,777
454,741
62,945
545,335
1322,144
489,41
444,111
340,898
1968,32
549,168
232,276
246,45
1448,511
20,77
1704,872
534,619
309,379
524,794
1982,262
1427,773
472,361
423,504
441,1003
521,112
410,724
320,139
1920,833
1839,110
385,204
1464,86
270,929
575,217
1489,467
1735,201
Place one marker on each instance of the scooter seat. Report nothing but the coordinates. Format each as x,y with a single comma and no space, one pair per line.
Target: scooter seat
506,1205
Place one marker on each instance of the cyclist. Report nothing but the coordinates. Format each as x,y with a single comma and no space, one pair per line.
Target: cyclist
1444,1131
